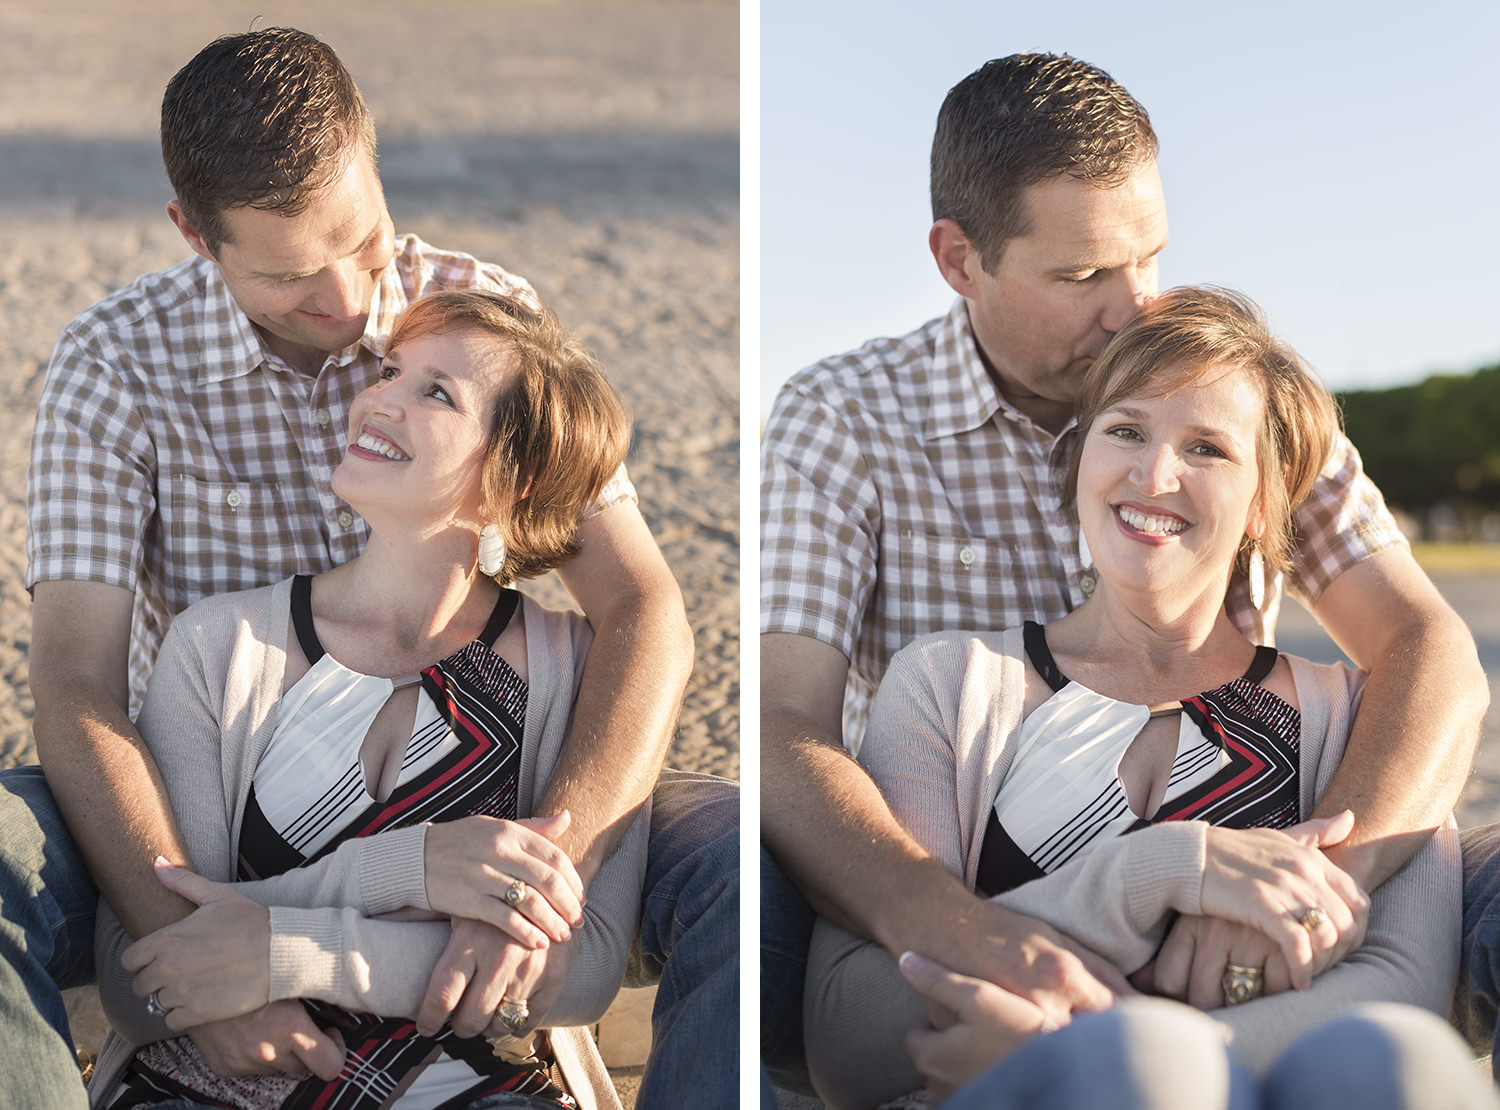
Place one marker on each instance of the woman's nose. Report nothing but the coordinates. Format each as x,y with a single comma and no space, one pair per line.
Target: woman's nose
1156,470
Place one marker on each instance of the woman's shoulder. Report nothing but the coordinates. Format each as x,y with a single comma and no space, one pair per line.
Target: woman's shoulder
1329,682
253,607
958,651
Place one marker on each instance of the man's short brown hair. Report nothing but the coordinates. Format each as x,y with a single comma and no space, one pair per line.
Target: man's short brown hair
263,120
1183,335
560,429
1020,120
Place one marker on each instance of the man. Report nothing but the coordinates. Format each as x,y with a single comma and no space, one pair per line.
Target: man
908,487
187,431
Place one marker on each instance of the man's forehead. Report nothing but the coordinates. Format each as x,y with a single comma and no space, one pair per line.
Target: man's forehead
1069,221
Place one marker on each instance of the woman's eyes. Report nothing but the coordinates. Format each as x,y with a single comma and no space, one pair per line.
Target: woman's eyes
388,372
1131,434
440,393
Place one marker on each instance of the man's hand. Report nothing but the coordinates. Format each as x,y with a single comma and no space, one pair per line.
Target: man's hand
986,1023
279,1039
1190,964
1027,958
213,964
480,968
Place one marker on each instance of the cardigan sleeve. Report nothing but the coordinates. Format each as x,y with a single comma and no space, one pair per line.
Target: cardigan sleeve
857,1008
337,955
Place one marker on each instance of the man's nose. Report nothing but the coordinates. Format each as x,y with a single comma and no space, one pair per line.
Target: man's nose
343,290
1132,288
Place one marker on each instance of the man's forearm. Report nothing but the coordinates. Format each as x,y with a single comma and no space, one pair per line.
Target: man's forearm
830,829
108,790
637,668
1410,750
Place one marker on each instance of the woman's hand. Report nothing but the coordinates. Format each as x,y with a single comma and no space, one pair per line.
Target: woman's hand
1270,880
473,862
213,964
482,967
1190,965
988,1022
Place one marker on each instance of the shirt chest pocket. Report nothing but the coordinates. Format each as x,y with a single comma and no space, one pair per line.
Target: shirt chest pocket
951,582
225,536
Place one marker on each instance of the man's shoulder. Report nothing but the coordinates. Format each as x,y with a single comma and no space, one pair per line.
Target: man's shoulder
874,367
424,268
156,301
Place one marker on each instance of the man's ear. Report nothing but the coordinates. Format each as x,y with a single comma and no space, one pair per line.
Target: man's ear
187,230
955,256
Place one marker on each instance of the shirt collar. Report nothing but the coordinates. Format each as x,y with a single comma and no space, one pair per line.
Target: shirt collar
964,396
236,348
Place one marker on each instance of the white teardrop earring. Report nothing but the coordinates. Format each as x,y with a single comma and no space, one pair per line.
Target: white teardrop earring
491,550
1085,556
1256,578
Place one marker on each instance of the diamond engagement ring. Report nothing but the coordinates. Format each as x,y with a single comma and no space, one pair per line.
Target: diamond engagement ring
514,893
1312,917
154,1006
513,1014
1241,984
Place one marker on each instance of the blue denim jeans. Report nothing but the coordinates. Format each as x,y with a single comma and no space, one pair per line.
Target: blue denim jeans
47,902
786,922
1149,1054
1478,996
689,943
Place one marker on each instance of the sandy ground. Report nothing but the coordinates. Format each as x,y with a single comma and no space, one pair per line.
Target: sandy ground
592,148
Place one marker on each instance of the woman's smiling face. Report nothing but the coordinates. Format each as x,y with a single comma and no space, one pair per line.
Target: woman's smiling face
417,436
1169,485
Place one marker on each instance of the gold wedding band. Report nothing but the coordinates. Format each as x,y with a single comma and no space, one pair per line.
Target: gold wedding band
1312,917
1242,984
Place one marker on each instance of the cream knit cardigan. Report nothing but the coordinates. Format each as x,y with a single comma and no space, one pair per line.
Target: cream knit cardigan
208,716
942,733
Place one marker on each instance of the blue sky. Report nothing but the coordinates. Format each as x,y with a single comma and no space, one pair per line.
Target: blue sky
1338,163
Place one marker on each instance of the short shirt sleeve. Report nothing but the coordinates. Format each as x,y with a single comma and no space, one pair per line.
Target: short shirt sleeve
1343,522
91,490
820,517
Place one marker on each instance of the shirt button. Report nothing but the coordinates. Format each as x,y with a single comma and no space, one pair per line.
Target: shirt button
1086,582
233,500
346,518
966,556
1012,415
322,417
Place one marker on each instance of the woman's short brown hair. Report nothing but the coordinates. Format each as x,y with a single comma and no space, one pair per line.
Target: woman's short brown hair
1177,339
560,431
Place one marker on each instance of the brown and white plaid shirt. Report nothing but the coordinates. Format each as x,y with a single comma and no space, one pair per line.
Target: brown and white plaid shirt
177,457
901,495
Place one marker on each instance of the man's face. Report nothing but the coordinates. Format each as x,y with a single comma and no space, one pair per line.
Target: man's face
306,281
1061,291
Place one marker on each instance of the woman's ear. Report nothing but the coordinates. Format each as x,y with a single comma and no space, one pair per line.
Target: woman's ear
1255,523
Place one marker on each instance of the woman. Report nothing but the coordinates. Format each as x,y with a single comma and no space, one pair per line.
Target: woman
1020,758
370,741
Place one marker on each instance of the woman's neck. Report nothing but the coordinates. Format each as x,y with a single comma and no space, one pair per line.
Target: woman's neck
1144,649
397,607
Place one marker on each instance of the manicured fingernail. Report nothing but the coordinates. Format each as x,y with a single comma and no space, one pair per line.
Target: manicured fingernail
911,962
161,861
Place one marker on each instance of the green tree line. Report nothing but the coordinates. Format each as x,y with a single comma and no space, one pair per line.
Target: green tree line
1433,445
